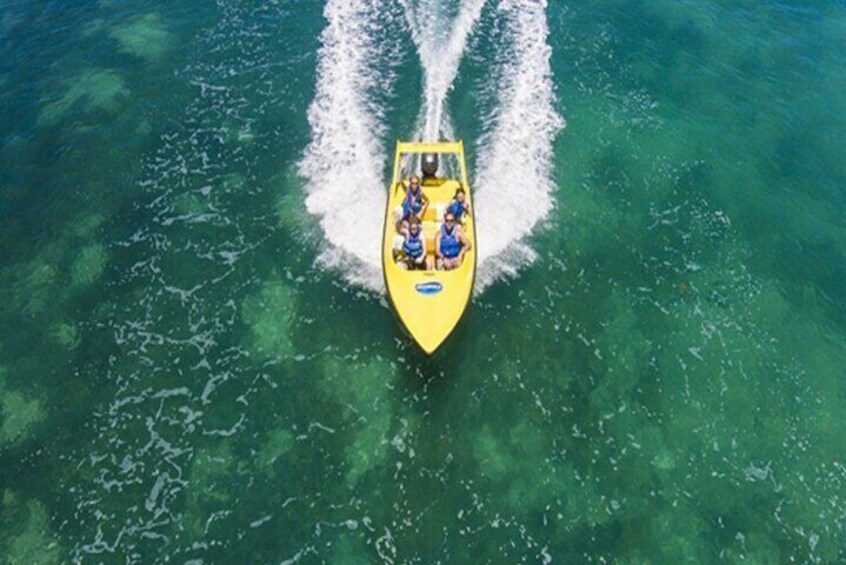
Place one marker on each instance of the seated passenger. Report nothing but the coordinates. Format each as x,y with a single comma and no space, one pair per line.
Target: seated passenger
414,247
459,205
451,244
413,205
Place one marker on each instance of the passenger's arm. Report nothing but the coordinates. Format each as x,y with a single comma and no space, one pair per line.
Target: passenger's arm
438,244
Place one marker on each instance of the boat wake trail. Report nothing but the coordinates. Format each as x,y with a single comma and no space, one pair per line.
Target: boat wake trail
513,182
343,164
440,42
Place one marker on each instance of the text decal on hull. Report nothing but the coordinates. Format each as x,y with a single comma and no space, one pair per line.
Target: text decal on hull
431,287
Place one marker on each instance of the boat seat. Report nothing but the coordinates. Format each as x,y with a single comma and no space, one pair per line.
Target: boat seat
435,211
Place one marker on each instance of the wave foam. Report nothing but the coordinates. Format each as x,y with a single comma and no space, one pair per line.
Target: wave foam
440,54
343,163
513,185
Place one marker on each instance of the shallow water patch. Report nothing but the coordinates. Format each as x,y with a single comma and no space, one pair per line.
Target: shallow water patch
277,444
19,412
214,471
66,335
361,391
89,265
145,37
30,538
94,90
39,278
270,314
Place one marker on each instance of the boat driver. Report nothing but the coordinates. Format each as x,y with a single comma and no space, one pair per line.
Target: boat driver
413,205
450,244
414,254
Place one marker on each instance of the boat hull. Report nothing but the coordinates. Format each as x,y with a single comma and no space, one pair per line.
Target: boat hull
429,303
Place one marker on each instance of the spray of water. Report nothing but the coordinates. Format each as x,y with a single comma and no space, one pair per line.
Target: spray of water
513,183
440,42
343,163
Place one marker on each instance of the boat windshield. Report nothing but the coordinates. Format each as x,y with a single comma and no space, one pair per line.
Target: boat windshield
448,165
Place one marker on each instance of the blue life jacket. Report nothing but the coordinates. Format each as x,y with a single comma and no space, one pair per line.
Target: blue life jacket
413,246
413,203
450,246
456,208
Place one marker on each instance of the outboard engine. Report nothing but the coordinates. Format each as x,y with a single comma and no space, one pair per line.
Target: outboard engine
429,165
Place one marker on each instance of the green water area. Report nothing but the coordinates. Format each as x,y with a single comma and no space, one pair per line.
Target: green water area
195,369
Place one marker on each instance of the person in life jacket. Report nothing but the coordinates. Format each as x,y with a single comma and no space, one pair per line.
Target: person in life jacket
413,205
414,247
450,244
459,205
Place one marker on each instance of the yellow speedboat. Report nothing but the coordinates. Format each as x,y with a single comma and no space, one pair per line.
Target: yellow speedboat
428,302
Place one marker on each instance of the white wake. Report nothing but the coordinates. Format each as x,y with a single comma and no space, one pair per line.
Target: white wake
440,42
343,164
514,188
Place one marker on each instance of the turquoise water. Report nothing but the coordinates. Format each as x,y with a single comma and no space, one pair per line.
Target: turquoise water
194,369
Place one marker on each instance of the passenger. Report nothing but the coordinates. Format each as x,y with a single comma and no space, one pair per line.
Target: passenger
414,248
451,244
414,204
459,205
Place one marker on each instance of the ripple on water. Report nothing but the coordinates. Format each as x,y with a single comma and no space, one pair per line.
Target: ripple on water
213,471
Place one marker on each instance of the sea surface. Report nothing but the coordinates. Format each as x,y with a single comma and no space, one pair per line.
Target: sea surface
198,363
